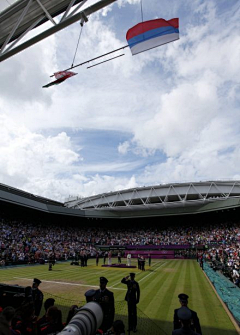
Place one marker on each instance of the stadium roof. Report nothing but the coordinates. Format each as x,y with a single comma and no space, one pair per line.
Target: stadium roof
167,199
25,15
150,201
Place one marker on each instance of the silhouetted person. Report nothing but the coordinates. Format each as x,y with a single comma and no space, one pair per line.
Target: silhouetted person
97,258
90,295
119,258
132,297
184,315
106,300
48,303
54,321
194,320
37,296
118,328
5,320
149,259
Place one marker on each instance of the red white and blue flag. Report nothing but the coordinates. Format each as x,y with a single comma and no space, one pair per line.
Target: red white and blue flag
150,34
60,77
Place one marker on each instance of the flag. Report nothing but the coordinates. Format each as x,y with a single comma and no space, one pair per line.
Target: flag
150,34
60,76
64,74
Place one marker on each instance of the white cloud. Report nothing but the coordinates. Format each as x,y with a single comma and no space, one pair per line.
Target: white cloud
123,147
25,155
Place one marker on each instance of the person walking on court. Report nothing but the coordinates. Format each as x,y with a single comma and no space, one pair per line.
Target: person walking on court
132,297
194,324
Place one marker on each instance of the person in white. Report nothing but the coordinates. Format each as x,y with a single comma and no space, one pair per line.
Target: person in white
129,259
235,275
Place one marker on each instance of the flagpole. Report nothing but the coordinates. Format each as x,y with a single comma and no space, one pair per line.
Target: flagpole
90,60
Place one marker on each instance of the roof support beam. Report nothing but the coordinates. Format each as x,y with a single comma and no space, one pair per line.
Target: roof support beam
61,25
46,12
16,25
67,10
77,8
25,32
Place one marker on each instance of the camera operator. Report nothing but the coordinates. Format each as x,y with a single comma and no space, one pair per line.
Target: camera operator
105,298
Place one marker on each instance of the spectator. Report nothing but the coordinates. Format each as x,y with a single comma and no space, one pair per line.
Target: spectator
54,321
118,327
48,303
6,320
24,320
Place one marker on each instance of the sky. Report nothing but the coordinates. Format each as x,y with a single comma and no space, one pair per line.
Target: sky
168,115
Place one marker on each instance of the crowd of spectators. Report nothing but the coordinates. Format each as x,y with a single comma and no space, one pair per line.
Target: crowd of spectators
22,240
34,242
226,259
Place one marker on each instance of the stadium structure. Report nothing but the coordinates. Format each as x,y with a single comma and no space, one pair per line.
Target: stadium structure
166,200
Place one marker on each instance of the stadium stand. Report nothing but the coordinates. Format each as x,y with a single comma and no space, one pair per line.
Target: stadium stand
213,237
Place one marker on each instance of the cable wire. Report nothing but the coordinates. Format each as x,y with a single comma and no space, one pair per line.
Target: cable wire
141,10
80,34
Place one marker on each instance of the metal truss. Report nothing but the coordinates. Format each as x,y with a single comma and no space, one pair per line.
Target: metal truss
160,196
25,15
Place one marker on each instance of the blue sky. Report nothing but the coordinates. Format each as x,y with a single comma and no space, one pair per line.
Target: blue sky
170,114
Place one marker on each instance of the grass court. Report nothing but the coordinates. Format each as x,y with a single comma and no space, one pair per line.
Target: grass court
160,285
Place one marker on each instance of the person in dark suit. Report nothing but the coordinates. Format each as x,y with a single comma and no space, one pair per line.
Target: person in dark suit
104,257
37,296
142,261
149,260
132,297
85,258
139,263
194,320
184,315
119,258
97,258
106,300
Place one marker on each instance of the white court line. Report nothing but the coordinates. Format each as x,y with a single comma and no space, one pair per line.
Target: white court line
64,283
138,273
151,272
